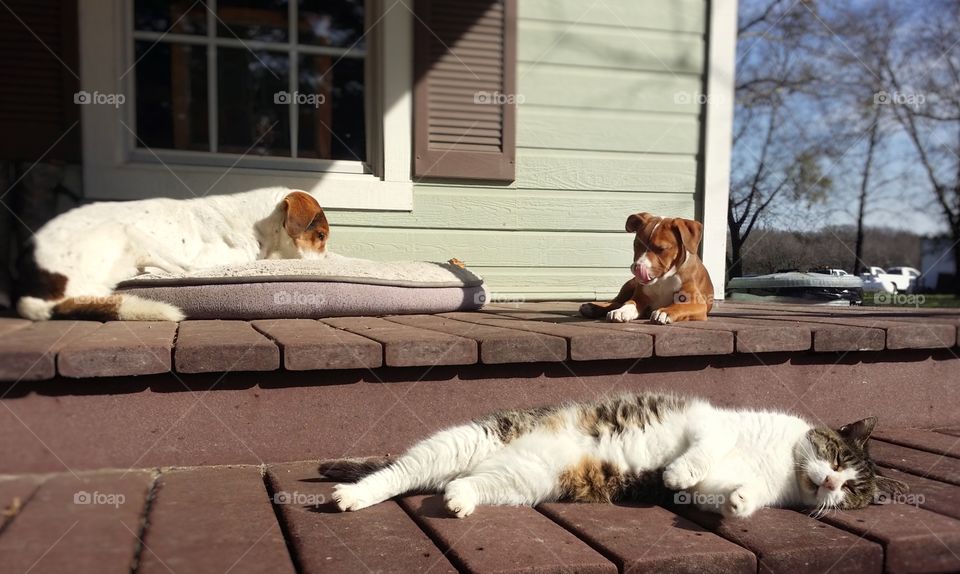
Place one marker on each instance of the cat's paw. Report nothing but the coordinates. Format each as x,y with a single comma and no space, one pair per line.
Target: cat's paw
460,499
681,475
661,317
623,314
740,504
351,497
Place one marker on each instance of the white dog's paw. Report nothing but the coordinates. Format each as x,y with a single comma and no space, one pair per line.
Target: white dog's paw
741,504
460,499
623,314
660,316
351,497
680,475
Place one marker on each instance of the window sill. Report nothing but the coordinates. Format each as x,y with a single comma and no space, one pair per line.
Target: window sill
135,180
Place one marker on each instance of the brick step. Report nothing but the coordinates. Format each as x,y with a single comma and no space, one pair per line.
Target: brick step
280,518
251,418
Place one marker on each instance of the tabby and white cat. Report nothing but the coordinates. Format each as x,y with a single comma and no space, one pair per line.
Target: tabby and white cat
730,461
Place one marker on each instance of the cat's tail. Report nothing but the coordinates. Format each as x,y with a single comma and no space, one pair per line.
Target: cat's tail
116,307
351,469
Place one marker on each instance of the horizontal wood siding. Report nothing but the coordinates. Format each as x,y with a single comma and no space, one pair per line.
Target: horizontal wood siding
609,125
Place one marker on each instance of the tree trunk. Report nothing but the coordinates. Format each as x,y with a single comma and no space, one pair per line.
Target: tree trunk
955,235
736,263
858,266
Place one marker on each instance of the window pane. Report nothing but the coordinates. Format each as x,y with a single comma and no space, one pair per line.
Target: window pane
331,124
249,118
337,23
171,88
178,16
264,20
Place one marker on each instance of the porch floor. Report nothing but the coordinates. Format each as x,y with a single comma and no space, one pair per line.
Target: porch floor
500,334
279,518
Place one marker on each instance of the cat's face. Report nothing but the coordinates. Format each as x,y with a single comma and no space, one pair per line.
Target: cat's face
835,471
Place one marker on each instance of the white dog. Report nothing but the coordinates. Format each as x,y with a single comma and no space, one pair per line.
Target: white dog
79,257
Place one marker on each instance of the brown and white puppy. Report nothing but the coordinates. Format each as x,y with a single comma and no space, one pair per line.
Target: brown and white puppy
78,258
669,283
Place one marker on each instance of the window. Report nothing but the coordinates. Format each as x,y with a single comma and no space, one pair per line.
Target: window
229,95
256,78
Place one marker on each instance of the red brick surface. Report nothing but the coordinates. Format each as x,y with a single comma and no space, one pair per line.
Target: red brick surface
382,538
222,346
523,333
914,539
497,344
120,348
920,463
30,353
505,539
309,345
651,539
215,519
406,346
79,524
788,541
584,346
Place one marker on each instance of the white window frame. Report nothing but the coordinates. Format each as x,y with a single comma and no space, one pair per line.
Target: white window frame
115,168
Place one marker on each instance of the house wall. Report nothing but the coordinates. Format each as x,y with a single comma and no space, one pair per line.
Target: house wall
609,125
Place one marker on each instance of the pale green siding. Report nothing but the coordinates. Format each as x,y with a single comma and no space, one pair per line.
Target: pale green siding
610,125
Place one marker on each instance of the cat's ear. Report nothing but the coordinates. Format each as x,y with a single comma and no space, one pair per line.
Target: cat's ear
888,488
858,432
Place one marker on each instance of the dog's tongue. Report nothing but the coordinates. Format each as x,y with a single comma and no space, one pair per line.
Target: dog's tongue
642,273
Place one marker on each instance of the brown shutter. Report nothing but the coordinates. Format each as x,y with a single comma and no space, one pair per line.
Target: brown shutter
36,93
465,54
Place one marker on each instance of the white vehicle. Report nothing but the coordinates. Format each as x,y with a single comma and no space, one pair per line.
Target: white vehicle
830,271
896,280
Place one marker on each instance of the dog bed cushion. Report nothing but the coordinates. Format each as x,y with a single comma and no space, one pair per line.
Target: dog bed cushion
334,286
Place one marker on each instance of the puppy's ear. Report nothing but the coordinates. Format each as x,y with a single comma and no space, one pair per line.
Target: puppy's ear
690,232
303,213
636,221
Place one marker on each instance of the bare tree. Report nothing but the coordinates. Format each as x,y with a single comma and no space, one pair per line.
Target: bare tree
775,157
925,99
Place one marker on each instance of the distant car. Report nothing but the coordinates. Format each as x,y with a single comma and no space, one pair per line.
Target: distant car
896,280
830,271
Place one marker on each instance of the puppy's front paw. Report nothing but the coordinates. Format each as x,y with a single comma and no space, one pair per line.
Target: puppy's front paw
590,311
351,497
740,504
623,314
660,316
681,475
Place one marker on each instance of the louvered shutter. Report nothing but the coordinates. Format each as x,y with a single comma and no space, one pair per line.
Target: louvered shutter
36,93
465,89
